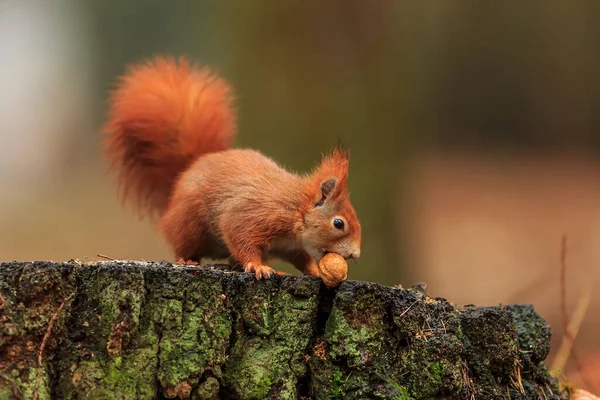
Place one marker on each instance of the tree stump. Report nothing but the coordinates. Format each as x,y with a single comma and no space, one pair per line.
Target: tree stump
140,330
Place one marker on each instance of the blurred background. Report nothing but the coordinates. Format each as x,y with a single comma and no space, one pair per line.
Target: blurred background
473,128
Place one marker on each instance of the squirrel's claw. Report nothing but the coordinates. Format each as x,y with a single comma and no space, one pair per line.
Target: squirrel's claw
260,271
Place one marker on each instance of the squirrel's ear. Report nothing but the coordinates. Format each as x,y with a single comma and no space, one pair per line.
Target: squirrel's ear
327,187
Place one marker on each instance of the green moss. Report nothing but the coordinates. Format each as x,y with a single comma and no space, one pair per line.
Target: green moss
6,393
36,318
459,333
429,372
116,355
533,334
178,338
273,330
223,327
401,393
151,330
30,294
250,376
354,328
128,378
128,375
23,382
264,386
258,317
491,348
208,390
359,353
195,330
380,346
337,384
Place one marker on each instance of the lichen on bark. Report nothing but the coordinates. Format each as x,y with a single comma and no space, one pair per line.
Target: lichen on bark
131,330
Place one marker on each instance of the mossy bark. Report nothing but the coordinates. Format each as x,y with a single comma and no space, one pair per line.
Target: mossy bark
129,330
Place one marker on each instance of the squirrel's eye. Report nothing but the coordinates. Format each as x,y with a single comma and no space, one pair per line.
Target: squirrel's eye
338,224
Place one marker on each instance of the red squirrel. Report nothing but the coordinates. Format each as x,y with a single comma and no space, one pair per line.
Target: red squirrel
168,135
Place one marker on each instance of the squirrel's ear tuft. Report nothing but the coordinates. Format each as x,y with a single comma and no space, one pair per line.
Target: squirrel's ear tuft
339,163
331,176
341,152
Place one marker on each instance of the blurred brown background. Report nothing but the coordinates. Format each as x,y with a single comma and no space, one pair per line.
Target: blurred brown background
473,126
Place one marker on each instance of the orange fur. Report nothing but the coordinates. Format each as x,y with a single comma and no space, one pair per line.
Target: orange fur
162,116
168,135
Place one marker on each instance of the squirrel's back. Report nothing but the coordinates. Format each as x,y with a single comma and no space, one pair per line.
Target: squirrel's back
163,115
239,175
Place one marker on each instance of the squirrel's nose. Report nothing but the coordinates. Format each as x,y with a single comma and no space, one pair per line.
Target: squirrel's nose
355,254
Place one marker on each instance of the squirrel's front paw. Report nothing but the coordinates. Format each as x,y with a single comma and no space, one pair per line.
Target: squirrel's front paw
261,271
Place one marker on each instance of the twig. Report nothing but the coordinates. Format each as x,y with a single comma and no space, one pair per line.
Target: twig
43,346
409,307
519,379
115,259
569,337
563,281
572,330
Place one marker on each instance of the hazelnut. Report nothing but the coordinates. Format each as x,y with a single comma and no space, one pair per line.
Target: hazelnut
333,269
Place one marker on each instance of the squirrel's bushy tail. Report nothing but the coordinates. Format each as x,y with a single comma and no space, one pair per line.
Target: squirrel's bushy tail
162,116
